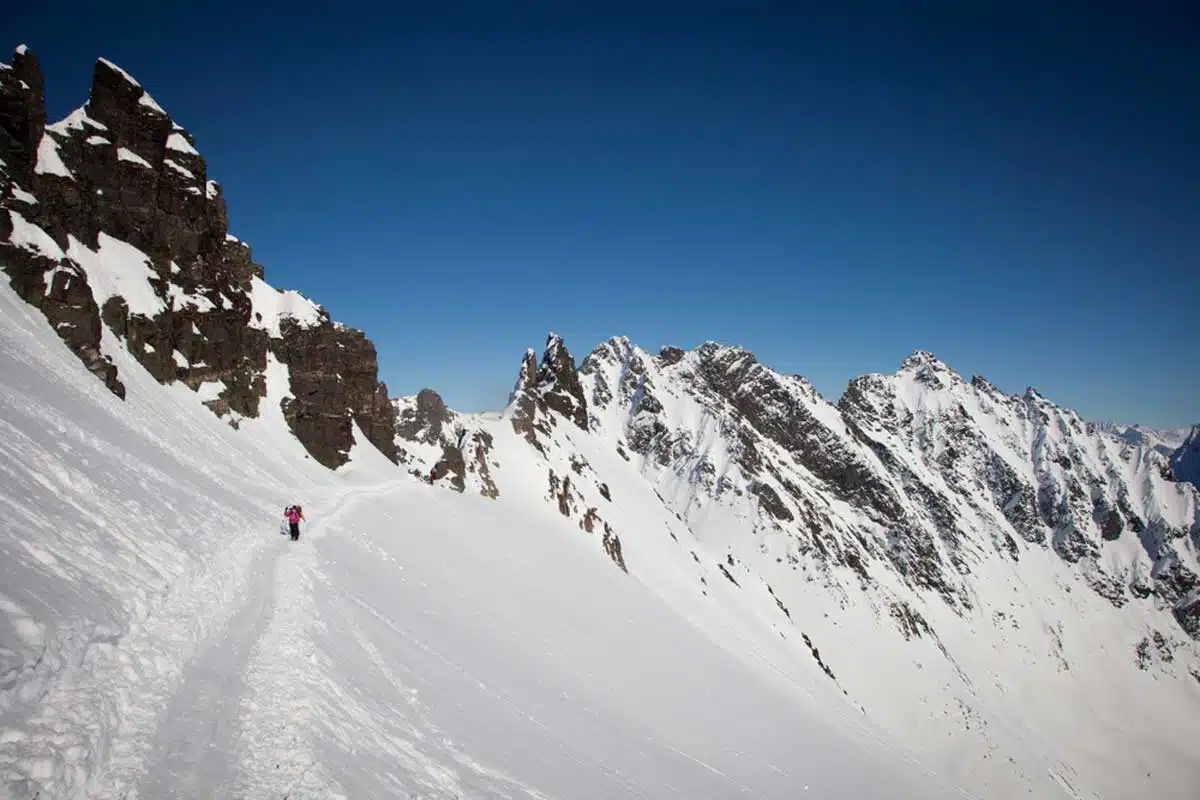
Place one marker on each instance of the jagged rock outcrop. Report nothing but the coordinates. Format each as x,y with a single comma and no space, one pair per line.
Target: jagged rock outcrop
108,218
547,392
442,446
333,370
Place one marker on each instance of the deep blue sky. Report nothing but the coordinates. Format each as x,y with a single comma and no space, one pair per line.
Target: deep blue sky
1016,190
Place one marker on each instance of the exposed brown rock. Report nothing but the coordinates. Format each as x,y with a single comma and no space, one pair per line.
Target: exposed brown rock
135,176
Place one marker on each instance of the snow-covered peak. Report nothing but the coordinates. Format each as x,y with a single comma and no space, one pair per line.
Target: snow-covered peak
617,350
1033,395
919,359
929,368
22,50
553,351
122,73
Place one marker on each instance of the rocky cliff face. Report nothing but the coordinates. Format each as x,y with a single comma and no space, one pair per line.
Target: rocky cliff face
109,219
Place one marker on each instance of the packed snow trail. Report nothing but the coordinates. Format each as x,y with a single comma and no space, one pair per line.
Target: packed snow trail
195,749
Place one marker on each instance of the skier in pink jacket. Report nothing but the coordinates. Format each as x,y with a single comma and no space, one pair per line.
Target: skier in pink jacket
293,514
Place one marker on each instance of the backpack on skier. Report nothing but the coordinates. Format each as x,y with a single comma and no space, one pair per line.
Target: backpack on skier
291,521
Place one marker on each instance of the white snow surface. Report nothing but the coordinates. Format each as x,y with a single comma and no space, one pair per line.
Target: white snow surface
49,161
177,141
271,305
125,154
184,171
77,120
25,197
158,637
31,237
118,268
180,298
148,101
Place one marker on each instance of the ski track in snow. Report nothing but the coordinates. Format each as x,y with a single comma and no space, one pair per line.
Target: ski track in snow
277,709
194,754
93,729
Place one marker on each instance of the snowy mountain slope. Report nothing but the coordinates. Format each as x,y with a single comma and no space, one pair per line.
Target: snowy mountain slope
929,524
160,638
928,567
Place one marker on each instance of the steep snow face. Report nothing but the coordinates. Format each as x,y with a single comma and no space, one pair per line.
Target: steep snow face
1032,557
412,642
1026,466
1185,460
